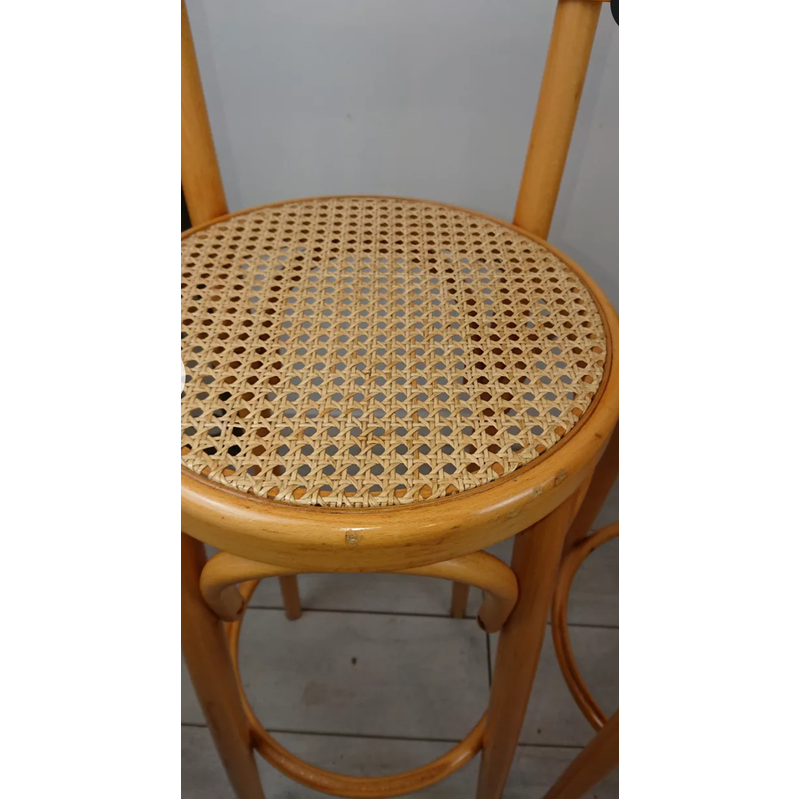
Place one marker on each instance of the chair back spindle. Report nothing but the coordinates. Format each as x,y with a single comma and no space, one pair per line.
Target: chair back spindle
559,97
557,109
202,183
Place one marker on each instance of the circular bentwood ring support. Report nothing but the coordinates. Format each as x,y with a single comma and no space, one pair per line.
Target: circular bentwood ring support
332,782
566,658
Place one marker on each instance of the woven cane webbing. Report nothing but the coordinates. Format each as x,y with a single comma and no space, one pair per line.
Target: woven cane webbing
355,352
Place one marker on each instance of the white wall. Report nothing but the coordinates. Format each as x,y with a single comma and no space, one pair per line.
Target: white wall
431,99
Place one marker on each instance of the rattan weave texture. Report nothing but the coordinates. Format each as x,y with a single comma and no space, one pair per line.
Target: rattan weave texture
355,352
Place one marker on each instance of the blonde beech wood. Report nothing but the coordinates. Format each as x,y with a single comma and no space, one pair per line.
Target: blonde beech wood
291,596
603,478
566,659
541,498
578,498
458,601
346,785
601,755
397,537
556,111
221,574
200,177
209,663
535,559
483,571
592,764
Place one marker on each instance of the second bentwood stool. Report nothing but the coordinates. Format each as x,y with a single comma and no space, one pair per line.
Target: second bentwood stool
379,384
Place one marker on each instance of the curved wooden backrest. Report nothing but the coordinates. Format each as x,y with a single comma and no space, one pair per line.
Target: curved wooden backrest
559,97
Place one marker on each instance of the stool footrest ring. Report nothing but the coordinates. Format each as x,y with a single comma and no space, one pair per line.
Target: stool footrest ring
332,782
566,658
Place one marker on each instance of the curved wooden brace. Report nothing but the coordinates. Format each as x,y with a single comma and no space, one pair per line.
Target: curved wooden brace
591,765
332,782
566,659
486,572
222,573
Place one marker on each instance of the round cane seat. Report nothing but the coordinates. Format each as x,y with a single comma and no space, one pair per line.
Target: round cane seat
363,352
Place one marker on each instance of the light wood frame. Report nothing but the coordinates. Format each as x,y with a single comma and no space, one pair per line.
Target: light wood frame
601,755
560,629
224,571
537,503
399,537
592,764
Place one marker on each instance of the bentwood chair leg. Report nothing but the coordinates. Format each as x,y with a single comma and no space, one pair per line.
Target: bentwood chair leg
592,764
605,474
537,552
458,603
291,596
207,657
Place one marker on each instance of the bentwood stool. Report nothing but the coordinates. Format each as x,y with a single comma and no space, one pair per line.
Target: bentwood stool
601,755
379,384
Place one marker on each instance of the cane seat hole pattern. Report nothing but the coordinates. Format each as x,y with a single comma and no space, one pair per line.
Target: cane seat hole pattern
361,352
